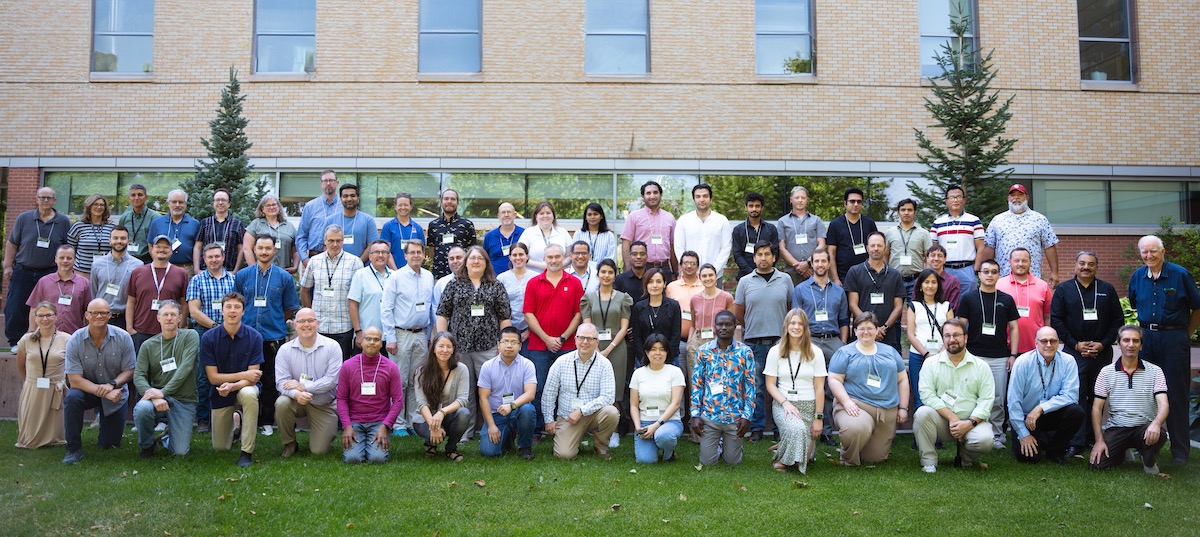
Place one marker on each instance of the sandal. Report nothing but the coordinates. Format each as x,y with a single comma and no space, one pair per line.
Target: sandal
454,456
779,466
431,450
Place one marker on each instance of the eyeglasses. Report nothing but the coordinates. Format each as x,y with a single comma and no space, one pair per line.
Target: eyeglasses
371,339
989,271
45,315
304,321
46,198
99,313
586,339
854,202
954,198
1048,341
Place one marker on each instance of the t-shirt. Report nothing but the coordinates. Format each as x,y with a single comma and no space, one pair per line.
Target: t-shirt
796,380
654,391
142,288
844,236
981,308
870,378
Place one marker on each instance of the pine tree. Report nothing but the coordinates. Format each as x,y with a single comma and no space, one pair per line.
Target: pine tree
973,126
227,165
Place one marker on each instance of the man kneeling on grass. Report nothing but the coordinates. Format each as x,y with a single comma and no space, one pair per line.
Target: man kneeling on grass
582,390
957,391
165,376
306,373
232,356
723,392
370,394
507,385
1135,392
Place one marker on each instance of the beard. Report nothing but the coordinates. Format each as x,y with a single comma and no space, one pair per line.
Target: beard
1018,207
954,347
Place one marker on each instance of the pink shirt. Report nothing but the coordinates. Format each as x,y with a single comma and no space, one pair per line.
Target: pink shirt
384,405
704,310
51,289
640,225
1033,294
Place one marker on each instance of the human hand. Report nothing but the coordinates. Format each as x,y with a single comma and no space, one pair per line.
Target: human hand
303,398
348,437
161,405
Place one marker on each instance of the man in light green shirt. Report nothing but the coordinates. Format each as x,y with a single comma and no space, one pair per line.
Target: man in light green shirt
956,392
165,375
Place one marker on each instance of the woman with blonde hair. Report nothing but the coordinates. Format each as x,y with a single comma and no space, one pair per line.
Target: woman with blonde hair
40,362
795,381
89,236
271,219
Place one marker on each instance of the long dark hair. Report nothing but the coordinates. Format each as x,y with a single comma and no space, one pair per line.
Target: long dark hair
603,225
925,274
432,382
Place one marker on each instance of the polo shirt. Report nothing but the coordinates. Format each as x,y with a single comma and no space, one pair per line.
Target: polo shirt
1130,394
359,230
844,236
656,229
831,299
106,270
799,233
366,288
52,289
766,303
505,379
912,243
407,301
143,288
682,292
967,389
865,281
1168,299
1034,295
979,308
230,355
311,234
957,235
398,235
630,283
25,233
101,365
186,232
1032,383
279,288
554,306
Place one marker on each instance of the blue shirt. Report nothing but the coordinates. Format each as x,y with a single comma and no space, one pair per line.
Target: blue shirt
280,290
496,245
230,355
311,234
366,288
407,301
209,290
1033,383
860,370
398,235
1168,299
359,231
810,297
185,232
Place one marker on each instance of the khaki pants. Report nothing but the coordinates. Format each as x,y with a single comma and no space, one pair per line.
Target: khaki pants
222,421
411,350
601,424
688,362
322,423
868,436
929,427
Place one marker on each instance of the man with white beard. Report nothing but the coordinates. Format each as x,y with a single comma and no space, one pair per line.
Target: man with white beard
1022,227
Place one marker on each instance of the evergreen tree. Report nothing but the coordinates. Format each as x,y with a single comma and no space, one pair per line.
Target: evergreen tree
972,121
227,165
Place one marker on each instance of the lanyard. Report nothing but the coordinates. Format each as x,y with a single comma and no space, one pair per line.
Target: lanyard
175,227
46,354
97,235
591,240
983,312
60,289
350,226
824,296
653,314
932,320
875,284
757,233
362,376
336,266
376,275
603,310
793,372
136,226
158,285
39,223
1018,286
546,238
267,287
851,230
1053,365
402,228
1095,295
162,344
711,310
212,230
586,281
903,238
579,383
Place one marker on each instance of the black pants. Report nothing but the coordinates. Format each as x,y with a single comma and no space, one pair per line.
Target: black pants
1171,350
267,391
1053,434
1119,439
16,313
345,340
1089,369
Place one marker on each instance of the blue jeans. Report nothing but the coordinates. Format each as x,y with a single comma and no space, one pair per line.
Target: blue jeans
542,360
364,449
179,424
520,423
203,388
111,426
758,420
915,361
16,313
665,438
967,282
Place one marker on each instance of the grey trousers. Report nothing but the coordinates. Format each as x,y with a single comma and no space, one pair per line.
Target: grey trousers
718,438
999,367
411,350
828,346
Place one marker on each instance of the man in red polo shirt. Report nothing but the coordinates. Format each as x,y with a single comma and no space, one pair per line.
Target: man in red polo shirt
552,311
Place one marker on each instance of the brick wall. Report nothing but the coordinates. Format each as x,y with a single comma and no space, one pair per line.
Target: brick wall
22,189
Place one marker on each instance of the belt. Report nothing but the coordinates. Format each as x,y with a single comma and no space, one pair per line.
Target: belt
827,336
959,264
658,263
910,278
413,330
314,252
31,269
1155,327
762,340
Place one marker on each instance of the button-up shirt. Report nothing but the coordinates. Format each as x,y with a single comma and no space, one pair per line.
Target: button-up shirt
316,368
912,243
326,274
311,235
1168,299
711,238
1032,296
230,355
138,226
723,387
461,233
209,289
831,299
1067,316
574,384
107,270
101,365
55,290
279,289
588,278
28,229
1030,229
358,231
656,229
229,234
460,305
1035,383
967,389
497,245
366,288
407,301
185,231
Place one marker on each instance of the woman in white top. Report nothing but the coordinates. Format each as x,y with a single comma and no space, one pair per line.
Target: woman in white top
795,380
655,396
925,318
515,279
543,232
595,232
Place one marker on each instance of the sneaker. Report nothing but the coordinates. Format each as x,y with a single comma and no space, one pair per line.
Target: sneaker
73,457
755,436
160,427
998,444
399,431
1152,470
614,441
267,430
289,449
671,458
1129,457
929,468
527,453
147,453
828,440
237,424
245,459
96,422
203,427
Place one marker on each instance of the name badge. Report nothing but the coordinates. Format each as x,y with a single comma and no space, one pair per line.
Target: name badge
1090,315
420,306
175,245
605,335
278,244
656,239
368,388
220,244
328,292
1023,311
716,388
950,241
906,260
859,249
873,381
64,300
305,377
112,289
507,399
43,383
168,364
949,399
447,239
706,333
792,395
687,315
43,242
348,239
576,404
133,246
505,249
820,315
260,301
216,305
154,304
877,298
651,412
750,248
801,238
989,329
477,310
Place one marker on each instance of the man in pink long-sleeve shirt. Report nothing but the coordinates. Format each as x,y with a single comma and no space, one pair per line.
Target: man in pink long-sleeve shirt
370,395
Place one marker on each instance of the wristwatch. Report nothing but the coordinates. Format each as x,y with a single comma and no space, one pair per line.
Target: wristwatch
974,422
513,406
819,416
562,339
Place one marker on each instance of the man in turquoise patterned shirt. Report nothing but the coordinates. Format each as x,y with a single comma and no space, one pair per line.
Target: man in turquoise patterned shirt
723,393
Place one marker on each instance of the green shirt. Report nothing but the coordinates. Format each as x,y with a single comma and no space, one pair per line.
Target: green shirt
179,383
966,389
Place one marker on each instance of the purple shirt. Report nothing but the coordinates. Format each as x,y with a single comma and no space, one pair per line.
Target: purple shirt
503,379
50,288
640,225
384,406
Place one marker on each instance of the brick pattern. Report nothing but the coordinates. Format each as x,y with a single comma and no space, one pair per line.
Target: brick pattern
22,191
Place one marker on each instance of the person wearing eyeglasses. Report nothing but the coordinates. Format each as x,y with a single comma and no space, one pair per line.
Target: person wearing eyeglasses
165,377
1043,407
871,394
368,408
507,386
306,375
326,286
99,366
846,238
957,390
578,398
1021,226
961,234
366,290
223,230
310,234
40,361
28,256
992,335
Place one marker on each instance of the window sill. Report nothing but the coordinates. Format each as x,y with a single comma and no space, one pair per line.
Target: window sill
1090,85
645,77
787,79
120,77
281,77
449,77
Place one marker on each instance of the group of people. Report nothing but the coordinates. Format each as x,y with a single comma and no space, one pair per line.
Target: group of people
188,323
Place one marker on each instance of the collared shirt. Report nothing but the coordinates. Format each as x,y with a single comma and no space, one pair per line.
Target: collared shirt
811,297
144,284
105,271
366,288
1033,383
711,238
230,355
538,241
603,245
311,234
858,370
101,365
877,290
138,226
461,233
745,235
1168,299
384,405
554,306
588,279
329,280
574,384
186,231
799,233
358,231
630,283
177,354
279,289
967,389
76,291
766,302
912,243
407,301
209,290
1009,231
227,234
723,385
26,231
1130,394
1033,297
475,315
497,245
316,368
657,230
845,236
439,288
980,308
90,241
951,289
1072,302
398,235
682,292
284,234
515,287
506,379
957,235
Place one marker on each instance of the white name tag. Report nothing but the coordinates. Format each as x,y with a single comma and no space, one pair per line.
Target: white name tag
447,239
651,412
168,364
792,395
154,304
1090,315
505,249
906,260
820,315
260,301
576,404
605,335
43,242
133,247
328,292
877,298
859,249
801,238
507,399
687,315
873,381
750,248
716,388
64,300
216,305
43,383
1023,311
175,245
950,241
112,289
305,377
220,244
706,333
949,399
989,329
348,240
368,388
656,239
420,306
477,310
278,244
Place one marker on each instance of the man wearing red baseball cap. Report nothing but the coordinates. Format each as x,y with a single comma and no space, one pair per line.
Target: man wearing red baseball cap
1022,227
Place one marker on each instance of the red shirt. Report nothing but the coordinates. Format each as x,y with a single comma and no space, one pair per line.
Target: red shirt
554,307
141,287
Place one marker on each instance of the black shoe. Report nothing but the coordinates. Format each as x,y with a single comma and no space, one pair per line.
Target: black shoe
937,445
671,458
147,453
828,440
755,436
245,459
914,445
1179,461
1071,452
527,453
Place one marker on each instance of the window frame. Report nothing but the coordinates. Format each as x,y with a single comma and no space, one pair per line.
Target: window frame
1130,41
972,36
96,35
646,36
478,32
258,33
810,34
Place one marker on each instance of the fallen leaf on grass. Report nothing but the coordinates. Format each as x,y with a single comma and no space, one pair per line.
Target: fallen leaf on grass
232,479
1164,476
739,486
254,513
666,521
699,467
452,484
135,472
856,513
124,474
166,533
350,526
1148,506
480,483
222,497
682,498
983,465
633,470
616,507
800,484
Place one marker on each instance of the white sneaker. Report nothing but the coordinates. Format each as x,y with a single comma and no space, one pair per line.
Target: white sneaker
160,427
614,441
267,430
1152,470
998,445
929,469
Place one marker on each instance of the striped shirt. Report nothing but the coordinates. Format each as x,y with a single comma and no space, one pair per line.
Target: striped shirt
90,241
1131,395
957,235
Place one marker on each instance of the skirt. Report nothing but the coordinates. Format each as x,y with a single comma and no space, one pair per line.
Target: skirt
795,433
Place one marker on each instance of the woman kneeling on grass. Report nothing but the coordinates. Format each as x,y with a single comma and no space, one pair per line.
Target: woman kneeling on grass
870,391
442,384
795,381
655,395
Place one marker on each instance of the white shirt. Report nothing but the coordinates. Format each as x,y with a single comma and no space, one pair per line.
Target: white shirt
804,372
711,239
654,391
537,243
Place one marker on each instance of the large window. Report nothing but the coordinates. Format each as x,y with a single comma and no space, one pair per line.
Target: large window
123,38
285,36
783,37
935,17
450,36
1105,40
73,188
618,37
1115,202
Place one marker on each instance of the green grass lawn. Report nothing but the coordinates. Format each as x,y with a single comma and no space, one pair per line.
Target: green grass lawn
114,493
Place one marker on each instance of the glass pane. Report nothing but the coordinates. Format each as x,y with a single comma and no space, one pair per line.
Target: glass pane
676,198
123,54
124,16
157,184
379,191
286,16
618,16
480,194
571,193
616,55
1193,203
935,15
72,188
287,54
1103,18
1104,60
1136,202
773,53
781,16
297,188
449,53
931,46
1074,202
450,15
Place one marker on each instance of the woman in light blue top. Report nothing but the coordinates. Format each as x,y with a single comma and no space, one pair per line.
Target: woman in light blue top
871,394
514,280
